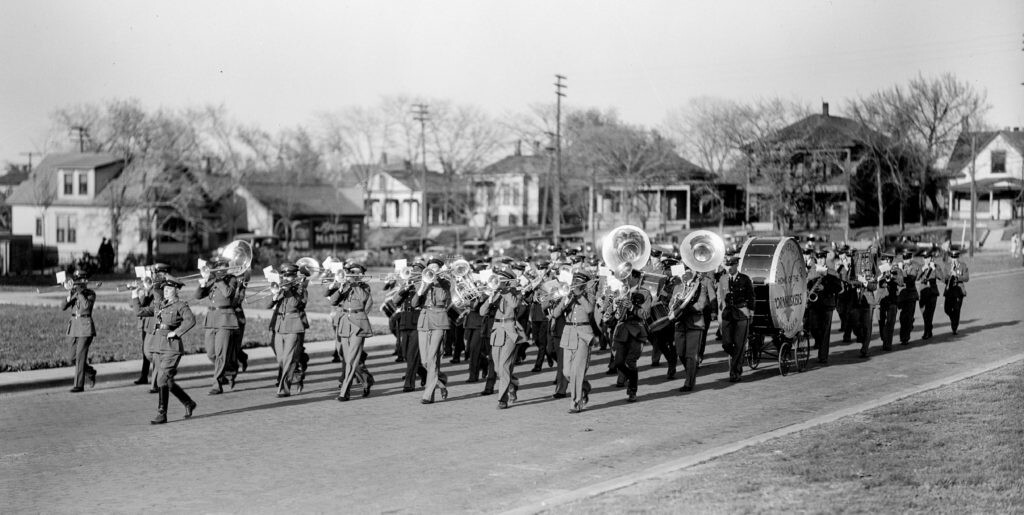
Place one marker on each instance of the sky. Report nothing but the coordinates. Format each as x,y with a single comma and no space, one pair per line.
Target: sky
278,63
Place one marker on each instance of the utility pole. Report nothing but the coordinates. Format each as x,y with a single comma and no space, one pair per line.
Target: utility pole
974,188
557,193
422,115
30,154
82,134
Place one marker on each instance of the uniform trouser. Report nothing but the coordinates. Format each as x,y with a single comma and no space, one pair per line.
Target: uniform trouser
928,313
734,342
820,318
574,367
453,342
144,374
351,348
165,366
952,306
662,345
687,348
289,349
504,359
847,318
429,343
626,355
886,324
864,326
704,333
218,349
237,337
82,368
408,339
907,309
475,352
540,339
561,380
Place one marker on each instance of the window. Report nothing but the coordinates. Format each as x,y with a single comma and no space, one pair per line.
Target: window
39,226
506,197
69,185
67,228
515,196
83,183
998,161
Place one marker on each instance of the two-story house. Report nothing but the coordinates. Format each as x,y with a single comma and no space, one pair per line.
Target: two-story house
7,183
65,203
508,192
394,195
997,160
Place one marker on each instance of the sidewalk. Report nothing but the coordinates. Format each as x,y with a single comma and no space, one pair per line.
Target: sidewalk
190,367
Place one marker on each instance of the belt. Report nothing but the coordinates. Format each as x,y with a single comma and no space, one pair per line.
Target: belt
81,316
577,323
225,308
167,327
504,319
352,310
436,308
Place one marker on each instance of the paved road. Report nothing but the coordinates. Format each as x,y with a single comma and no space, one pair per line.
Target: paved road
249,451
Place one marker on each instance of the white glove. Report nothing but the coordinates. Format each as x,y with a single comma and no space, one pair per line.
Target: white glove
172,334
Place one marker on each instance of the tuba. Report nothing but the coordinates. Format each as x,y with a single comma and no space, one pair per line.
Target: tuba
702,251
624,249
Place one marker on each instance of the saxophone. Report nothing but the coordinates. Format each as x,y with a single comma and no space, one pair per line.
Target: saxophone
812,296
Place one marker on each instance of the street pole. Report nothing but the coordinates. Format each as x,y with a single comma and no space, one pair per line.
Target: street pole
557,193
420,110
974,200
30,154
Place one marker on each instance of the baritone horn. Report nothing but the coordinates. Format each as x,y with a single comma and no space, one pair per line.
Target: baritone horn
624,249
702,251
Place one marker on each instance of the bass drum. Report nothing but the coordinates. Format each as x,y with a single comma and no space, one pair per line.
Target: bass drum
777,270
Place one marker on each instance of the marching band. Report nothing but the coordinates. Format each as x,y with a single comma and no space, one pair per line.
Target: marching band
567,307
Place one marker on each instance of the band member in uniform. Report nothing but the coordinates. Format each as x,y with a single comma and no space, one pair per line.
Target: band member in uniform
686,309
150,293
353,327
221,321
846,302
538,319
408,335
906,300
288,301
556,327
868,297
473,330
709,281
577,337
632,308
80,329
662,341
237,337
502,304
737,297
823,290
889,281
954,293
170,320
433,298
928,277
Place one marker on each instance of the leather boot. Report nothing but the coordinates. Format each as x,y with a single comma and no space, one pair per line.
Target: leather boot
161,410
183,397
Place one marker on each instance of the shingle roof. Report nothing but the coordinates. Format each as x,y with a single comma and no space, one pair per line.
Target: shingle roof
822,131
536,165
25,192
306,199
13,178
962,155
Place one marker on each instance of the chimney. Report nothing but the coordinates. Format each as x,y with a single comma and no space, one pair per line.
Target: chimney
824,108
519,147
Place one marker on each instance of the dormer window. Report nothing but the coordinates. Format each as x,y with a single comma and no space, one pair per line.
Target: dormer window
69,183
83,183
75,183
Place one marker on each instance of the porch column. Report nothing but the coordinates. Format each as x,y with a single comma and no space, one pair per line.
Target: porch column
991,201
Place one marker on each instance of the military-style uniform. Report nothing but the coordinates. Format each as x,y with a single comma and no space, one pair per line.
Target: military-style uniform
906,300
689,330
869,295
408,338
220,324
710,284
736,297
152,297
818,315
846,302
433,325
170,316
955,276
540,330
241,360
629,336
577,338
80,331
929,292
473,329
289,334
504,337
353,328
887,306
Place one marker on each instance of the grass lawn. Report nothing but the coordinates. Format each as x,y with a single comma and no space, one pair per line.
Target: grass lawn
956,449
34,337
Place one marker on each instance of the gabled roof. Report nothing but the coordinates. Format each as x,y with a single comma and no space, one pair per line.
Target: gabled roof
309,198
962,154
413,178
47,169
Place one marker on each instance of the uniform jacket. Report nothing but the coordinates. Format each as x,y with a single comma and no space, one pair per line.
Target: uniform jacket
960,290
504,328
830,287
353,303
909,291
434,304
692,316
577,313
928,278
290,310
735,296
221,292
154,297
169,316
81,300
408,314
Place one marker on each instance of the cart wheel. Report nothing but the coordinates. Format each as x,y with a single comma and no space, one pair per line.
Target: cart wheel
753,353
802,346
787,358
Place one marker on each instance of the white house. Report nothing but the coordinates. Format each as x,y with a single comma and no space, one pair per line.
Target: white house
997,161
65,203
394,195
508,191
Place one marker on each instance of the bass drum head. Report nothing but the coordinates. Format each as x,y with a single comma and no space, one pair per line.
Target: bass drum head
776,267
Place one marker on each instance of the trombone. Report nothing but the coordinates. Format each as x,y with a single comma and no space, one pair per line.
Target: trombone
239,256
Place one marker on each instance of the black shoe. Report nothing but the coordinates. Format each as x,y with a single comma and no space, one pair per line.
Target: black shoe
905,343
77,389
575,409
686,389
735,379
502,405
336,359
512,393
399,360
863,354
244,360
671,375
367,386
161,418
610,371
487,392
343,398
154,390
215,391
631,397
655,364
298,387
620,385
141,381
231,382
536,368
92,379
408,389
283,394
426,401
444,394
189,408
559,395
823,361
